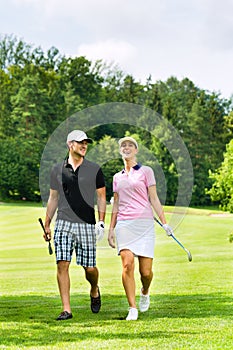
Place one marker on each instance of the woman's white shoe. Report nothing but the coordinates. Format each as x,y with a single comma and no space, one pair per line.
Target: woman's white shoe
144,302
132,315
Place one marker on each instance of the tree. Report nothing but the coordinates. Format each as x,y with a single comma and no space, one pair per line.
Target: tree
83,79
222,188
107,153
131,91
6,91
13,51
31,120
40,90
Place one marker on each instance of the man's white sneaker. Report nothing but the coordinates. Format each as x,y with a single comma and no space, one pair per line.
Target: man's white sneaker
144,302
132,315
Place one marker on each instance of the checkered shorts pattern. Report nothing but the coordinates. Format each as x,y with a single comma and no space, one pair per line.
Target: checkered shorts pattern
79,236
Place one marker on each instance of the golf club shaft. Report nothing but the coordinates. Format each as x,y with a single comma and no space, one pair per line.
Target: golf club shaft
177,241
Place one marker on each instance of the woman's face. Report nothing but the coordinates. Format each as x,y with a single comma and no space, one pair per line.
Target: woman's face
128,150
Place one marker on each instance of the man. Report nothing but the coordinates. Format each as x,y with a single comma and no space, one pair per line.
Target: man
73,186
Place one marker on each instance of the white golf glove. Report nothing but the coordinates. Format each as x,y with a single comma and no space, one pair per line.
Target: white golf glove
99,230
168,229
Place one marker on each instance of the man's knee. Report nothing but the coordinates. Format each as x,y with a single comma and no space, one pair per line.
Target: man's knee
63,266
90,270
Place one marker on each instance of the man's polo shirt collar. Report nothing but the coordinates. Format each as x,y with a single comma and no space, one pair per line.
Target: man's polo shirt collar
68,165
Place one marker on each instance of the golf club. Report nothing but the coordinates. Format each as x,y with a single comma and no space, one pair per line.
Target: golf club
49,246
180,244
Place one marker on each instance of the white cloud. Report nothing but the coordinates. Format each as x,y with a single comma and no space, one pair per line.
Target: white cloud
182,38
22,2
110,50
218,31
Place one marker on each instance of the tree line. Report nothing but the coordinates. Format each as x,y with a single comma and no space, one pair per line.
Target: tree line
40,90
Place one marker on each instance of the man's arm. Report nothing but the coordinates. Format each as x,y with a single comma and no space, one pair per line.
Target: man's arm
51,209
101,202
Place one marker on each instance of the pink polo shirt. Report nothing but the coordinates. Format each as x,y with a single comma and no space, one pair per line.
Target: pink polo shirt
132,189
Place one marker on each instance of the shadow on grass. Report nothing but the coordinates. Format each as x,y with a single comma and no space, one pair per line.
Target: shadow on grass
30,320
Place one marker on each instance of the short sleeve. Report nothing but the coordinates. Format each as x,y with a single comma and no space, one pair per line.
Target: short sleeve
53,179
100,182
114,184
149,176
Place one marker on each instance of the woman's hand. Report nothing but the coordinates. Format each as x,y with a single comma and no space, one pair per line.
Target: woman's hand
111,238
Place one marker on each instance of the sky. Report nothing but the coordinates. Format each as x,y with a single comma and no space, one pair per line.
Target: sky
162,38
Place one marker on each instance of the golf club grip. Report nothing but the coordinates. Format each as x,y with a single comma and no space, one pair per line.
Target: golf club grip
158,221
42,225
49,246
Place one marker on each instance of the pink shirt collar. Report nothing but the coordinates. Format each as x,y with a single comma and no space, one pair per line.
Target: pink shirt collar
135,167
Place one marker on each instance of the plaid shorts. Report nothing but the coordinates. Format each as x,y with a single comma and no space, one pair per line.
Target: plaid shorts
79,236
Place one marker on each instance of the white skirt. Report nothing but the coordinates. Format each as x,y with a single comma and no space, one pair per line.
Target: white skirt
137,235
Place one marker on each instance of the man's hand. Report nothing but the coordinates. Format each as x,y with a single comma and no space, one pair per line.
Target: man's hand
111,238
47,234
99,230
168,229
46,230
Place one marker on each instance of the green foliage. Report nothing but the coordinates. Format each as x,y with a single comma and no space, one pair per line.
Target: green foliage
39,90
84,81
222,188
19,169
107,149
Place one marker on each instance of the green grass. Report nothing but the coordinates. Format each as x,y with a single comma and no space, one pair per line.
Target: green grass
191,303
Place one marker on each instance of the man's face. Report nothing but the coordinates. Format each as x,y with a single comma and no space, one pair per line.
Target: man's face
79,148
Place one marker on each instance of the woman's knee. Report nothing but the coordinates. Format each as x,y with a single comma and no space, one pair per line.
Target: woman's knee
128,266
146,273
127,259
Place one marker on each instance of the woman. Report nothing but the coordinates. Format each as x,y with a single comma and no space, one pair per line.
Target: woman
132,217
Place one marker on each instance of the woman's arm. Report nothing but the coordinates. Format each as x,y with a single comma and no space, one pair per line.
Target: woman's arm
111,235
155,203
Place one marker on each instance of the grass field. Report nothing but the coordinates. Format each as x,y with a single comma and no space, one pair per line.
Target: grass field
191,303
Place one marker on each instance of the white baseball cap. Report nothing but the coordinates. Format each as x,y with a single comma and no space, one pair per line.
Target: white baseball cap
79,136
128,138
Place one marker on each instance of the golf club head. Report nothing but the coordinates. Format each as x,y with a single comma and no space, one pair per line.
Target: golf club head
189,256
